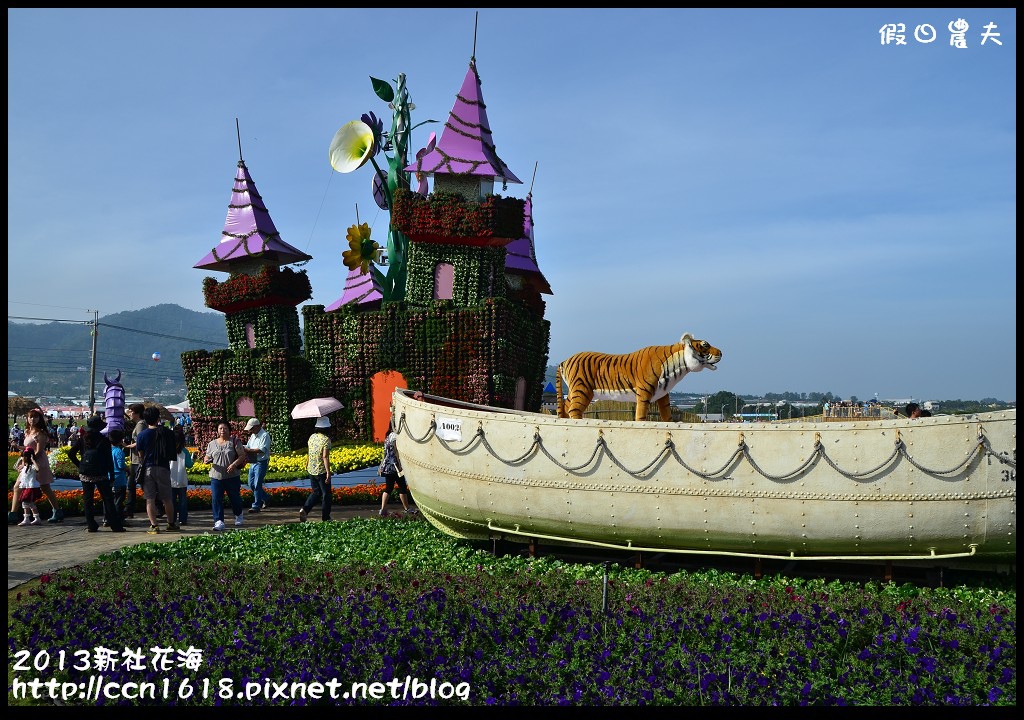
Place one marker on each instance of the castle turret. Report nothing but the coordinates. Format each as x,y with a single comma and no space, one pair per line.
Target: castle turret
525,280
465,161
259,298
458,233
263,374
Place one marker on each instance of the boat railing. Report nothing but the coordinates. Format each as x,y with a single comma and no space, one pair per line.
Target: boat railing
620,410
899,452
615,410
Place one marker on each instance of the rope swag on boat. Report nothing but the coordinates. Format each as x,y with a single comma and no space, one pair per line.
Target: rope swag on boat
982,449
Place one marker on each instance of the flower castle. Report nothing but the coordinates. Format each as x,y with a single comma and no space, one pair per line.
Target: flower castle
454,310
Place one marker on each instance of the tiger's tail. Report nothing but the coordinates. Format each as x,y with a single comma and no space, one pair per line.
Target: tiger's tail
559,401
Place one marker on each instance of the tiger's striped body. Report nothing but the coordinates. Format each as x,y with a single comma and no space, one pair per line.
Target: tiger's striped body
646,375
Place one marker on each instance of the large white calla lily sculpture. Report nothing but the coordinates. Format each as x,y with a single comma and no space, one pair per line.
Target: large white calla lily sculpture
351,147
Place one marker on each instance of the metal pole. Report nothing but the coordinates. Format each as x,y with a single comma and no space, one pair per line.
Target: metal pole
604,590
92,375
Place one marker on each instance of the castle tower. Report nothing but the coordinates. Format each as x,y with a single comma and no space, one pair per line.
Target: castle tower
259,298
471,324
263,373
459,232
525,280
465,161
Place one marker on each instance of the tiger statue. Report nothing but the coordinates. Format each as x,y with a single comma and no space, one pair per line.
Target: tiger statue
646,375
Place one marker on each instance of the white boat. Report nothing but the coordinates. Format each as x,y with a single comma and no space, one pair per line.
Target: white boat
894,489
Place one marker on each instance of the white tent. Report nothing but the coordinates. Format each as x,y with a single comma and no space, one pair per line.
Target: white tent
182,407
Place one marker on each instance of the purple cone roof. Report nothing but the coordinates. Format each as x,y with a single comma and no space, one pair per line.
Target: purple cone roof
520,256
466,146
359,289
249,232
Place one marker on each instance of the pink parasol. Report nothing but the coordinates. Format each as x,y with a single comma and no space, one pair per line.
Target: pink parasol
317,407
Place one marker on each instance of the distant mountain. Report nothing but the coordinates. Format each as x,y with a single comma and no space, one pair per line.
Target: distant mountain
54,359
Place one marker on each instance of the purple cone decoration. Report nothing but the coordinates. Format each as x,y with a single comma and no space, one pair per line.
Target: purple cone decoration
113,403
422,188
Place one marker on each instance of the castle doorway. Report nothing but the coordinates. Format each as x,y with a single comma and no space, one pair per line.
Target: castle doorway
382,387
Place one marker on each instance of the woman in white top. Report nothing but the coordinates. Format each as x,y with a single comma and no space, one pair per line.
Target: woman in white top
179,477
37,439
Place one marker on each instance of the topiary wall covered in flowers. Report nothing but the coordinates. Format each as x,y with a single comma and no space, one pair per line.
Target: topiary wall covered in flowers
275,379
272,326
448,217
479,273
271,285
477,354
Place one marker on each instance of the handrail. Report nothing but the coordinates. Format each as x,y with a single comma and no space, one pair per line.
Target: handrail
730,553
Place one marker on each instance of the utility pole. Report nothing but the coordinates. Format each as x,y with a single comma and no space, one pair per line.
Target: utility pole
92,374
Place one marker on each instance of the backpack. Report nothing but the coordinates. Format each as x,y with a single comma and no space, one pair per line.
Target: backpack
166,445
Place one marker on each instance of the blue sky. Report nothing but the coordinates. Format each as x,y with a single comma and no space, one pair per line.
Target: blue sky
836,214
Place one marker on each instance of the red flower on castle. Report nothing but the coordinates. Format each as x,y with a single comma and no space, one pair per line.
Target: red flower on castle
271,285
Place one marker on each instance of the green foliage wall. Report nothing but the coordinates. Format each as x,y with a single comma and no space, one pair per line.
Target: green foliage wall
474,354
274,378
479,273
274,326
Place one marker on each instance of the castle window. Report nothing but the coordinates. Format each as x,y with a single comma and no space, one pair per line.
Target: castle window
444,281
245,407
250,335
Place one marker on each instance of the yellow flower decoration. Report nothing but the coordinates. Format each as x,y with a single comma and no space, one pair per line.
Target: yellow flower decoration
361,248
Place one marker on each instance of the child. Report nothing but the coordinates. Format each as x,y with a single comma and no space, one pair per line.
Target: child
30,489
116,438
179,477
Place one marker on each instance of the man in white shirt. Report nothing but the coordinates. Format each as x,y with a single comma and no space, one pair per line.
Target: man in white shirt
258,450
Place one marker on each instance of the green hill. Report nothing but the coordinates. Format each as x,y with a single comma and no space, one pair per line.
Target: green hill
54,359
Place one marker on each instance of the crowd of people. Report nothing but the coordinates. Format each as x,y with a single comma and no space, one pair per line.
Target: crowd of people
851,409
112,464
64,432
115,464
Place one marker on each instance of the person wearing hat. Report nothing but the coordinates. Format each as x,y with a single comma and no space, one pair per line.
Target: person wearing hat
318,465
257,450
91,454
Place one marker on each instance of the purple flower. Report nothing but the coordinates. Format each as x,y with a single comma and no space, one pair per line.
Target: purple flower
377,126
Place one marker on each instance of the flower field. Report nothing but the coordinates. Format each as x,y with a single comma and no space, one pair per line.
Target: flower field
370,600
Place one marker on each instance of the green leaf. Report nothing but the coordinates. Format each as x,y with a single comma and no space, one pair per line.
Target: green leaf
383,89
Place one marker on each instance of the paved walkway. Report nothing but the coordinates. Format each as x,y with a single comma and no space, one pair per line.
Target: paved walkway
38,549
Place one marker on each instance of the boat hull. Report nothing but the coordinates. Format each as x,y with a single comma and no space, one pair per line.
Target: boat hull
884,489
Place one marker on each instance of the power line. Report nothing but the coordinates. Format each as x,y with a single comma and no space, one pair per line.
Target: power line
119,327
162,335
76,322
59,307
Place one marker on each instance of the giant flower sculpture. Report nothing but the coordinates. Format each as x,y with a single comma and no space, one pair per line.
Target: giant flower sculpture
359,142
